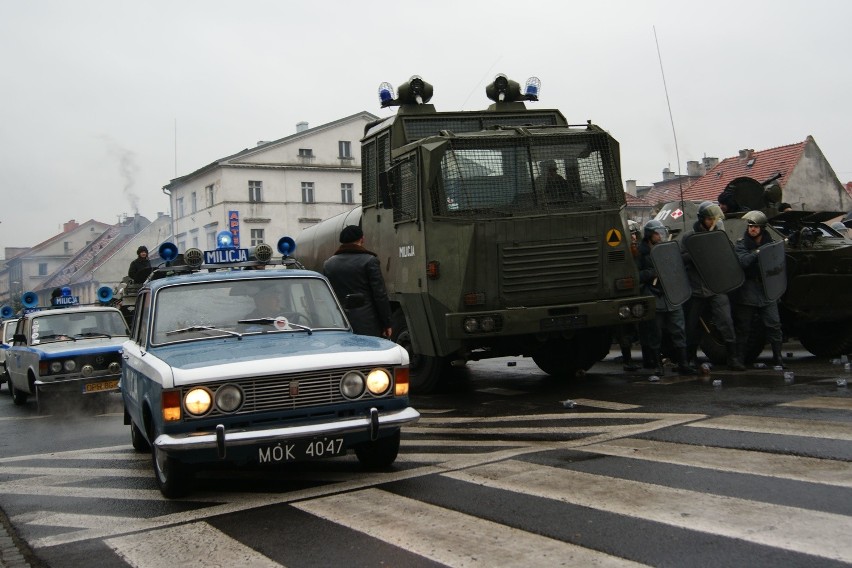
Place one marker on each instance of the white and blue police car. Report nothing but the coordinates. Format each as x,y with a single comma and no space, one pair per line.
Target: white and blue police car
233,360
7,330
66,349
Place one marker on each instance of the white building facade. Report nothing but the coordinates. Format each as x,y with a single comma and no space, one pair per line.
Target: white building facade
274,189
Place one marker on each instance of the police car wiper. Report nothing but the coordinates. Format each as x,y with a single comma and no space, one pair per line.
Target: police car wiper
271,321
204,328
57,336
93,334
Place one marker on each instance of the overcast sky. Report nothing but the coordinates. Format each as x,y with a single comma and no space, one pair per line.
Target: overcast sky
104,101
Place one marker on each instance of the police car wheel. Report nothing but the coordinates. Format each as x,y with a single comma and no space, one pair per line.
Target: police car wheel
140,444
18,397
173,477
379,454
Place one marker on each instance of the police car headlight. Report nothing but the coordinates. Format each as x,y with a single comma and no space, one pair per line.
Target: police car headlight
229,398
55,367
87,370
197,401
638,310
70,365
378,382
471,325
114,367
352,384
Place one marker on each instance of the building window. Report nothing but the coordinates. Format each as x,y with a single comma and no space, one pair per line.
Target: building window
256,237
307,192
255,191
208,192
211,240
66,247
344,148
42,269
306,153
346,193
179,208
193,205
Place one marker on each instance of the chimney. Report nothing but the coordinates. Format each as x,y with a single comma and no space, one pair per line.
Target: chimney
693,169
301,126
630,187
668,174
70,226
710,163
746,154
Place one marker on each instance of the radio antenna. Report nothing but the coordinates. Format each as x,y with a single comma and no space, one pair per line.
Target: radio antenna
671,118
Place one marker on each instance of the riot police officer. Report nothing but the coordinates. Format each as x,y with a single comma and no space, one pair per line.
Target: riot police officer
710,218
626,334
751,297
669,318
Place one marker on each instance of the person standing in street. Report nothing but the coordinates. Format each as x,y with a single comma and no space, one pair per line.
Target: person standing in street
668,318
355,274
710,218
626,334
140,268
751,296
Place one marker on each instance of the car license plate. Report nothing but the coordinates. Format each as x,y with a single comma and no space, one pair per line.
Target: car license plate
102,386
301,450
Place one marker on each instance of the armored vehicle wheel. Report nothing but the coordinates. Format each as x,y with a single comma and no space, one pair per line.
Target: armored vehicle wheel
173,477
827,339
424,371
379,454
558,358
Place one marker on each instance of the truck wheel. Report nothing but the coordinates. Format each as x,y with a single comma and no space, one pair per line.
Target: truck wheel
379,454
827,339
424,371
173,477
557,357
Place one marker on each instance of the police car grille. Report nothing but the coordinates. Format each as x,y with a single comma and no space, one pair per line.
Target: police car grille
548,267
318,388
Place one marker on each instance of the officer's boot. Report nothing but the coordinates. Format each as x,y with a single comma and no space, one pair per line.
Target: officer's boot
692,355
659,369
776,355
683,366
734,361
627,362
648,361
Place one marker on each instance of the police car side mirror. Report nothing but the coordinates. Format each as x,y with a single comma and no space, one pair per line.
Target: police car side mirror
352,301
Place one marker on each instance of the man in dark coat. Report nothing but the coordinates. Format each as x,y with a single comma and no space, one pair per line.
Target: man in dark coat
751,296
355,274
140,268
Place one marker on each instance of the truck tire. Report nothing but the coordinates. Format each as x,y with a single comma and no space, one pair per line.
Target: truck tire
424,371
827,339
557,357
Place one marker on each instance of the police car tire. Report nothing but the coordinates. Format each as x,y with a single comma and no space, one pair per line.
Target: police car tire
140,444
173,477
18,397
379,454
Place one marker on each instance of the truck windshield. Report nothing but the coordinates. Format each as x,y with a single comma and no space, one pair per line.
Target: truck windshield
486,176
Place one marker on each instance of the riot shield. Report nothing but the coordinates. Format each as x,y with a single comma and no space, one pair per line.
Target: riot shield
773,272
714,257
671,272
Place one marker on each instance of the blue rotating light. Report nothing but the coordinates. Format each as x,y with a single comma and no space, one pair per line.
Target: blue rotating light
66,291
224,240
532,88
386,95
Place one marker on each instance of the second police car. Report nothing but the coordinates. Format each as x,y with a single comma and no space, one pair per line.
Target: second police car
66,351
246,363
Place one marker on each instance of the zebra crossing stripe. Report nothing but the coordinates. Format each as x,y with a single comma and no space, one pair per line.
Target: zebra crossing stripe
782,426
787,528
196,545
827,402
449,537
811,470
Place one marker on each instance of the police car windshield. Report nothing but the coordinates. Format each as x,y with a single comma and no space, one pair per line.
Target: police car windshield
239,307
60,325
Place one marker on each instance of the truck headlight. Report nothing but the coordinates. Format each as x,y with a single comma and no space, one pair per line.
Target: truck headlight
378,382
197,401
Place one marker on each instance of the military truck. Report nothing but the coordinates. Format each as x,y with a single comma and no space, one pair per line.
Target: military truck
501,232
816,307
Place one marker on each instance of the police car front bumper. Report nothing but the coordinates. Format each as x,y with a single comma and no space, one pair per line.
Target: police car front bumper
222,439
